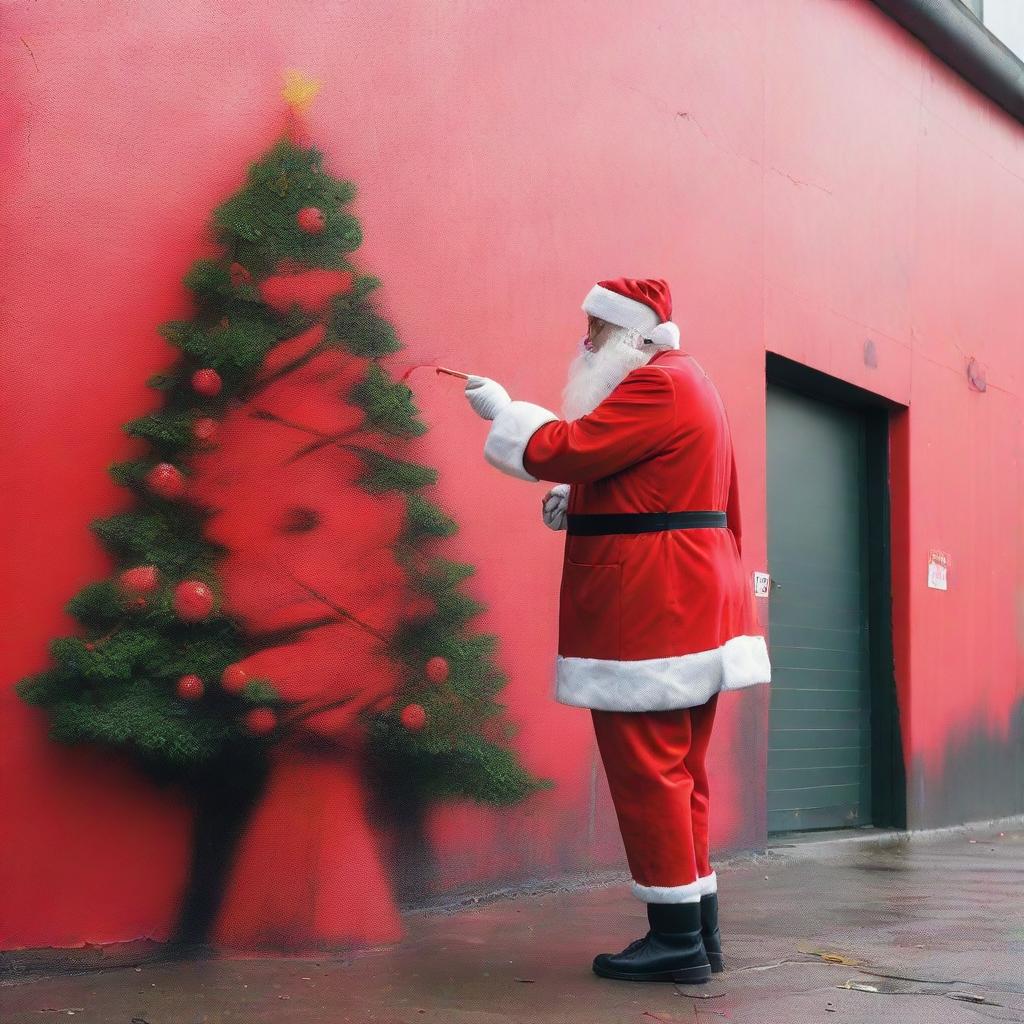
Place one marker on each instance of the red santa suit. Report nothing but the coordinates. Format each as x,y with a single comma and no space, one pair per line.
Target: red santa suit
655,614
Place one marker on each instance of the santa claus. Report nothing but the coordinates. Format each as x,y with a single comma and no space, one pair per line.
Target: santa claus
655,612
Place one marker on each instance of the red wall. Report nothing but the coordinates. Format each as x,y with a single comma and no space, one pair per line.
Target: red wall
805,175
894,211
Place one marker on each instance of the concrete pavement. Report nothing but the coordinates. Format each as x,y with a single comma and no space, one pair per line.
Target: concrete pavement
869,929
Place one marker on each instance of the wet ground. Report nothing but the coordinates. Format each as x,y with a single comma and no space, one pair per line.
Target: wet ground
847,931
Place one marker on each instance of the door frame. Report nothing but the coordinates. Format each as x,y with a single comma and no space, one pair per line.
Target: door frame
888,772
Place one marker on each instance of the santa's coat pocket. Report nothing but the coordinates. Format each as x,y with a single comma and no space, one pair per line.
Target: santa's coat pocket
590,611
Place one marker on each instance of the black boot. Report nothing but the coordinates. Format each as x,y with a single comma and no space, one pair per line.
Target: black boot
709,933
671,951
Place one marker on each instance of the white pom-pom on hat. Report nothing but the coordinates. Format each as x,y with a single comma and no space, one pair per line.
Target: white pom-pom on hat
664,334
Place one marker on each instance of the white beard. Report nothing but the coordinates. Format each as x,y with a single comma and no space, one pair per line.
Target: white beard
593,376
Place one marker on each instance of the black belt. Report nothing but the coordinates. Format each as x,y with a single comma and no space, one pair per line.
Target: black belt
642,522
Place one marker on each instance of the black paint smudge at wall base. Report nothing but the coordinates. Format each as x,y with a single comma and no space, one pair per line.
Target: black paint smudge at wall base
225,797
982,778
397,813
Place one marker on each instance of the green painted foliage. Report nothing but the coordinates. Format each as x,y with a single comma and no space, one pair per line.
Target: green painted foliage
261,691
162,534
98,605
165,431
146,719
235,348
361,330
114,682
388,405
473,768
386,474
426,520
258,224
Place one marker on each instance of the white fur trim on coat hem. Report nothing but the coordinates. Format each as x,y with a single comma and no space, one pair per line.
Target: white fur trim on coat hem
510,433
709,884
668,893
661,684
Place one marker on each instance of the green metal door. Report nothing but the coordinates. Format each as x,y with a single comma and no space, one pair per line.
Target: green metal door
819,740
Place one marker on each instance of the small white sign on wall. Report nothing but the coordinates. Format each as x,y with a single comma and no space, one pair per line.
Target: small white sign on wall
938,570
762,584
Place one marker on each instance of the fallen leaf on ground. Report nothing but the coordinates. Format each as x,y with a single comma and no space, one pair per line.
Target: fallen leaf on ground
832,958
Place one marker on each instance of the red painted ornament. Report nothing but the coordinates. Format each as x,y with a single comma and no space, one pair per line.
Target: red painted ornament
166,481
190,687
143,579
205,429
437,670
413,716
311,220
140,602
193,600
239,274
260,721
234,678
90,646
206,382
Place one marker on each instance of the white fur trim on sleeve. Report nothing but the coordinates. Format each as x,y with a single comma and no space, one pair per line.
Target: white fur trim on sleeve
664,334
510,433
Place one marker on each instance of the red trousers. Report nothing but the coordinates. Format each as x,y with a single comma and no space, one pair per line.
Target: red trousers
654,761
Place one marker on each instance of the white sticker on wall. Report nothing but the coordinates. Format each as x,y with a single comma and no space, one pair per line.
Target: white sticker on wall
762,584
938,567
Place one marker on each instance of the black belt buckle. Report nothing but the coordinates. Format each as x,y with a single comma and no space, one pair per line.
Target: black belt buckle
604,523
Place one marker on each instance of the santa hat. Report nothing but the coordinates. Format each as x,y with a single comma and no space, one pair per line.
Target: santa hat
644,305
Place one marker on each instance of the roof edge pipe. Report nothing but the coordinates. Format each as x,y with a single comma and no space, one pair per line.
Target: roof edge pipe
956,37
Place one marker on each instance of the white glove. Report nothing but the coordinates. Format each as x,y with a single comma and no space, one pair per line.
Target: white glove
486,396
555,504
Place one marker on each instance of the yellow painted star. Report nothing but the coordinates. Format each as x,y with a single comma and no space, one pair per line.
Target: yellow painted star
299,89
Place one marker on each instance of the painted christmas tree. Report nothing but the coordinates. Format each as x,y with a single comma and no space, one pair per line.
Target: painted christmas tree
278,577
